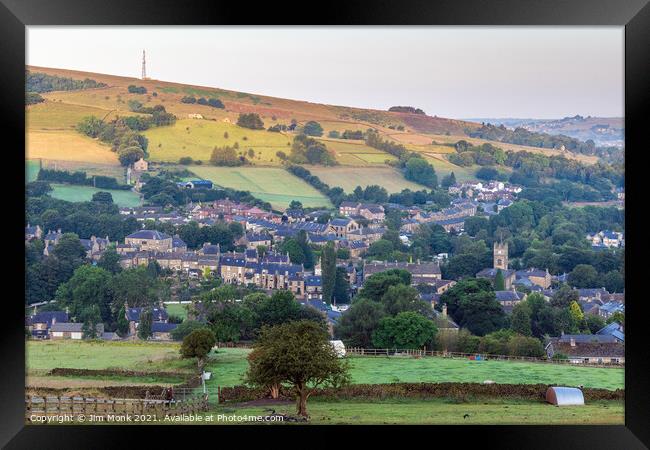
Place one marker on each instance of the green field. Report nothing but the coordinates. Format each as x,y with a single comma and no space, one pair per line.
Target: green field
31,170
74,193
274,185
349,178
437,412
47,355
197,138
176,309
230,364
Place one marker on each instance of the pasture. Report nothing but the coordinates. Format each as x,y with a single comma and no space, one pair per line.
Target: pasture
74,193
59,116
197,138
68,146
436,412
229,365
177,309
348,178
271,184
43,356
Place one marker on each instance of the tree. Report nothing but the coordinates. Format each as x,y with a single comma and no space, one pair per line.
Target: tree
499,282
250,120
144,326
448,180
328,267
70,249
129,155
88,287
401,298
564,296
594,323
420,171
472,304
185,329
295,204
407,330
225,156
299,354
198,344
110,260
215,103
103,197
312,128
520,321
91,318
341,285
583,276
376,285
122,323
357,323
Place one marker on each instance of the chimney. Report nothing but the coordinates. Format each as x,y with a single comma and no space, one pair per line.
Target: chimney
573,342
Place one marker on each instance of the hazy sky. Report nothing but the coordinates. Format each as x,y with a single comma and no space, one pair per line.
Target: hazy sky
458,72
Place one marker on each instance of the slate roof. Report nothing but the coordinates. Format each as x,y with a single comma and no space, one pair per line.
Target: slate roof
340,222
613,329
162,327
210,249
149,234
313,280
48,316
74,327
613,307
508,296
612,348
178,242
158,314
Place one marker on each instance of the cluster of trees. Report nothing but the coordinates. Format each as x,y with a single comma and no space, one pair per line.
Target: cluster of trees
80,177
159,116
299,250
31,98
133,89
129,145
163,191
250,120
222,233
420,171
308,150
347,134
234,314
388,313
41,82
227,156
406,109
312,128
397,150
85,219
212,102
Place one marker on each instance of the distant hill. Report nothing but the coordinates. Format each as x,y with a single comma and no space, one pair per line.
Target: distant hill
604,131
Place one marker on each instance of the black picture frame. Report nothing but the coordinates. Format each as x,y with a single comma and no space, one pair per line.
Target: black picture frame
633,14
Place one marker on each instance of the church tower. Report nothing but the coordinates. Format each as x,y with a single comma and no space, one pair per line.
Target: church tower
500,255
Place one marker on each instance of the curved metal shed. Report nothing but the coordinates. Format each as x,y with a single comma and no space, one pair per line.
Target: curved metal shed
564,396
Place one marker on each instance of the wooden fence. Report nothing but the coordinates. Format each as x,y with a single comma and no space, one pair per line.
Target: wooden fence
103,407
482,356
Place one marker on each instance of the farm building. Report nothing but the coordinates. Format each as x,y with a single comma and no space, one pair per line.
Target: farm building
564,396
141,165
160,331
40,324
587,348
69,330
195,116
195,184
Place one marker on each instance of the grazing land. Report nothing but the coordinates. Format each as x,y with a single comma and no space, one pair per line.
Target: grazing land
68,146
439,412
142,356
271,184
349,178
74,193
230,364
197,138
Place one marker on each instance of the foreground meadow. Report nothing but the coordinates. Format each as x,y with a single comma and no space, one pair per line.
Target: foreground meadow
229,364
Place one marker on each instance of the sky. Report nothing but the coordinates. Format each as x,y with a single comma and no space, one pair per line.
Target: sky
456,72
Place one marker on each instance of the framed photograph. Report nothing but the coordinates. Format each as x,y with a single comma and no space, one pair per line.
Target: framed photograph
390,214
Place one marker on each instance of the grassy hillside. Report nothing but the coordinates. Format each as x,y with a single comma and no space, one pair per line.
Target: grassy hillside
274,185
51,136
73,193
197,138
349,178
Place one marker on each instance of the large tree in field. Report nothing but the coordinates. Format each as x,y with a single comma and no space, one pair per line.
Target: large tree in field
198,344
298,354
358,322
